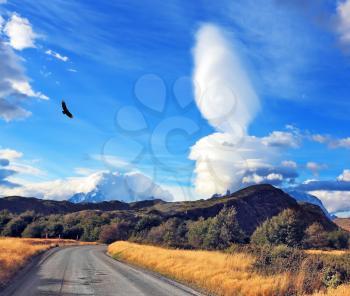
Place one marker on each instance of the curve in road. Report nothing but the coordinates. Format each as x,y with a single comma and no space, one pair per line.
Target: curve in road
87,270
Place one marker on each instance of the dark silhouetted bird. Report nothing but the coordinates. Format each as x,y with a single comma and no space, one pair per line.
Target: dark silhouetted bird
65,110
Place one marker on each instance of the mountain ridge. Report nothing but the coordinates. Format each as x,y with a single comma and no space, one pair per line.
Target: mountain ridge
253,205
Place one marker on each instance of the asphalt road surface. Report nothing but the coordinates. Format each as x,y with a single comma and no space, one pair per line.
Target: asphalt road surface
87,270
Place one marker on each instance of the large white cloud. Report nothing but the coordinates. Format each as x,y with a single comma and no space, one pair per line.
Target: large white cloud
231,158
20,32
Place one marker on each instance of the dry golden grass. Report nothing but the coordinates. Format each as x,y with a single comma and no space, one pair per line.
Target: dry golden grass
330,252
214,272
343,290
16,252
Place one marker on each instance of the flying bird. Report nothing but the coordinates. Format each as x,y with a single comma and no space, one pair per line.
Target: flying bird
65,110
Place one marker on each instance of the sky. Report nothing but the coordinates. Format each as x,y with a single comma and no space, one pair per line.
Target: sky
179,100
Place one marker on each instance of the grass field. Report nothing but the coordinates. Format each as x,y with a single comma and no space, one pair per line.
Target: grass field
16,252
214,272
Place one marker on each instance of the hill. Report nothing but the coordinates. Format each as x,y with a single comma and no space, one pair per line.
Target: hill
253,205
18,205
343,223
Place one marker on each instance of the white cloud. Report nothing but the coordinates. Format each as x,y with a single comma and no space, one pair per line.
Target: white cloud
3,1
333,201
14,85
319,138
226,98
20,32
340,143
223,91
282,139
343,24
24,88
289,163
57,55
345,176
10,154
315,167
330,141
72,70
83,171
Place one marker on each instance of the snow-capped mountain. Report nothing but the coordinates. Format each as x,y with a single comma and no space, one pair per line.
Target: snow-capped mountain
306,197
127,187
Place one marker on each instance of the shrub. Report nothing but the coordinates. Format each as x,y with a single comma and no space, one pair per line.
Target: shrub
285,228
315,237
277,259
171,233
338,239
34,230
114,232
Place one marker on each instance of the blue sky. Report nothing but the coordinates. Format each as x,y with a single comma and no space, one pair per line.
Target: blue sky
126,71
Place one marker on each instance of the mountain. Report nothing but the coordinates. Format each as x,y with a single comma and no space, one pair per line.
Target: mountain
127,187
253,205
309,198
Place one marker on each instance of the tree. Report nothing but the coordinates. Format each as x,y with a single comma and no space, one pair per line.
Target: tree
5,217
224,230
15,227
197,232
285,228
315,237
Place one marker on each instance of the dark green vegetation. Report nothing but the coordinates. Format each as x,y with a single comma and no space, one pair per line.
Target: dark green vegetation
261,214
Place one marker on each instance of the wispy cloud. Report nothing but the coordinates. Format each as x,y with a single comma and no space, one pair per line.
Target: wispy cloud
56,55
14,84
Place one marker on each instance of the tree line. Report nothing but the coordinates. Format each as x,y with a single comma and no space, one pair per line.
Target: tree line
218,232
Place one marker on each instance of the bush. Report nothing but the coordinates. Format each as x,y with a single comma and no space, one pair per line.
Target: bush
34,230
114,232
338,239
283,229
315,237
277,259
171,233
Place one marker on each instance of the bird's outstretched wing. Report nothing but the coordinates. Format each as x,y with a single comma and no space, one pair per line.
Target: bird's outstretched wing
65,110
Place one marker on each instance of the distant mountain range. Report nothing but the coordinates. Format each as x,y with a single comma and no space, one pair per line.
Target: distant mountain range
127,187
253,204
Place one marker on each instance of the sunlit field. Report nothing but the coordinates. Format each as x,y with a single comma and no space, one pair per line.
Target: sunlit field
16,252
215,272
219,273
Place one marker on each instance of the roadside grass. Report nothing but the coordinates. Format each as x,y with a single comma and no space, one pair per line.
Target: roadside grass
15,253
214,272
246,271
